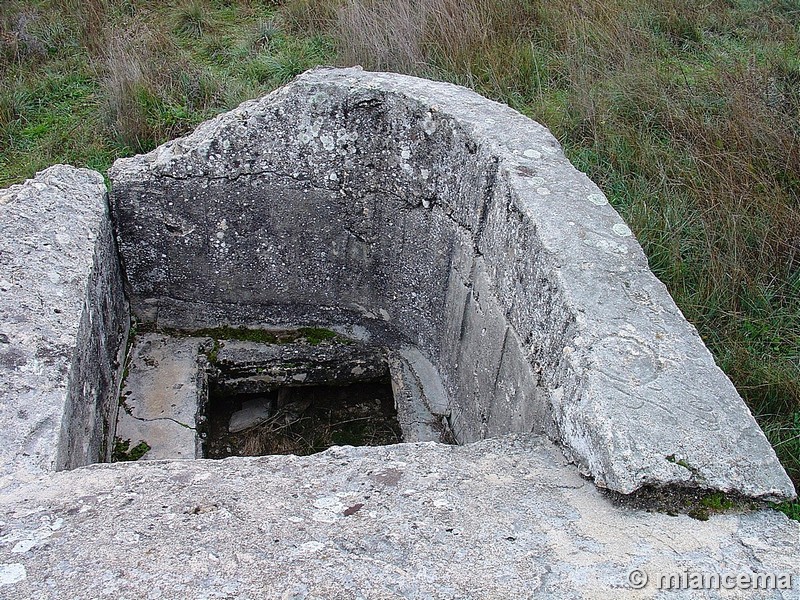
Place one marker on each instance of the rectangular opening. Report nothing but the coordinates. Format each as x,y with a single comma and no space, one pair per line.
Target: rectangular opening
237,392
300,420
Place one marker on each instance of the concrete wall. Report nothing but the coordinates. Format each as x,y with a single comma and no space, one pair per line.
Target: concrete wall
97,362
351,197
63,323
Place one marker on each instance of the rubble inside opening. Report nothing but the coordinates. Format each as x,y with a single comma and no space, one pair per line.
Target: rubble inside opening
300,420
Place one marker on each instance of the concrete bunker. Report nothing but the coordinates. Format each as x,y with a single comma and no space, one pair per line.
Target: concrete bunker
444,233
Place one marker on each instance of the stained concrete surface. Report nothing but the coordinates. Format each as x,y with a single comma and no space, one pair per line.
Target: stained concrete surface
162,395
498,519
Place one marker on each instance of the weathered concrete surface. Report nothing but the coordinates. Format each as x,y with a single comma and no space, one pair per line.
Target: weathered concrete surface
504,518
63,322
162,395
349,195
255,367
419,396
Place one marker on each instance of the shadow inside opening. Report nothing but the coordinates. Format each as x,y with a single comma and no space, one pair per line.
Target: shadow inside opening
301,420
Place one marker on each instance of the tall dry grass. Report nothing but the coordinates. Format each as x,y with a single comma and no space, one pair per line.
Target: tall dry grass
92,19
130,80
409,36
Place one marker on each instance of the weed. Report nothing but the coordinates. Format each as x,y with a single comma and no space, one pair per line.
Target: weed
790,509
213,353
317,335
698,504
264,33
282,68
716,501
310,335
122,451
191,19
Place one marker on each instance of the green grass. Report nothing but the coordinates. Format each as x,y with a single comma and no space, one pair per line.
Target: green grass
98,80
686,114
124,453
790,509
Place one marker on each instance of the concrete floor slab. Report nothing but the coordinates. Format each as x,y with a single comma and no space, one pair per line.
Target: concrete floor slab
161,396
498,519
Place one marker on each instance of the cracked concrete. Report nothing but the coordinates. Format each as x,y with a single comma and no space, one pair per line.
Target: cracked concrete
162,395
552,323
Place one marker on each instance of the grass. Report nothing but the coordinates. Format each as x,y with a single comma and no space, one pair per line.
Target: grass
123,452
687,114
88,82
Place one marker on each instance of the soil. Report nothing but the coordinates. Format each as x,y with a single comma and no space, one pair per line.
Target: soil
306,420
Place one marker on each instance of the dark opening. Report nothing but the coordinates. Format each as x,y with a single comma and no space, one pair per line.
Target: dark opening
301,419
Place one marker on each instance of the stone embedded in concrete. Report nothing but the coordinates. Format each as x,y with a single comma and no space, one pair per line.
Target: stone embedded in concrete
63,324
428,380
416,420
501,518
253,412
163,395
349,195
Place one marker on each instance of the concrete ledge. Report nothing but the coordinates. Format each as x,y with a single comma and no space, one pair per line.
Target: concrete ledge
460,223
504,518
162,396
63,323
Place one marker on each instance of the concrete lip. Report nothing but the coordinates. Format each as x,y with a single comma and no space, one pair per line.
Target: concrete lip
502,518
